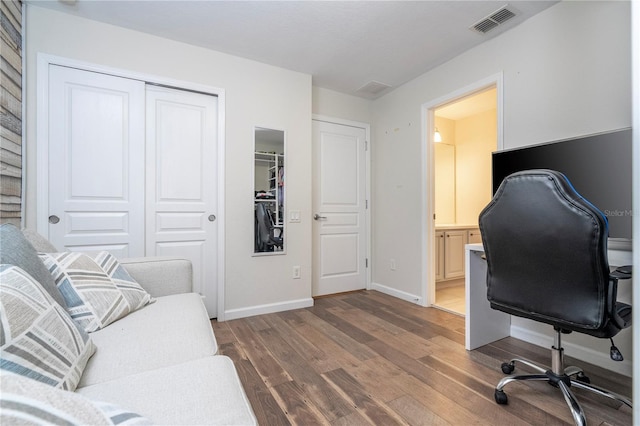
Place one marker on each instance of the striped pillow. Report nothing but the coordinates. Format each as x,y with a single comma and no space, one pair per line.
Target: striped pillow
38,339
25,401
95,287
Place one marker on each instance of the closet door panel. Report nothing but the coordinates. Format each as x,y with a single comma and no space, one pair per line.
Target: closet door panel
181,147
182,182
96,150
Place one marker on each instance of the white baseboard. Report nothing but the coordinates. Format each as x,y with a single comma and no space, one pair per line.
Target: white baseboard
582,353
270,308
397,293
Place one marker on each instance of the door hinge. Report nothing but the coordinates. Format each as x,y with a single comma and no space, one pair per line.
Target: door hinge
366,204
366,145
366,262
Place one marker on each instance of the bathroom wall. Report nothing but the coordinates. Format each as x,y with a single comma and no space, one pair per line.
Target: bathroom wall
463,167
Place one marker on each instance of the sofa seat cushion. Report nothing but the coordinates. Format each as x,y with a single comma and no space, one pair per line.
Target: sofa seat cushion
27,401
172,330
203,391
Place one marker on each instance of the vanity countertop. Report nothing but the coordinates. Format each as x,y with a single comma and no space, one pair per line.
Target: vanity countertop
455,226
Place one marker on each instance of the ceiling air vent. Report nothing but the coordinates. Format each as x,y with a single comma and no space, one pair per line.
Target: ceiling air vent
373,88
498,17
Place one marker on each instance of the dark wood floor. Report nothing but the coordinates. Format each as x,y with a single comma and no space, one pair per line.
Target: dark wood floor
367,358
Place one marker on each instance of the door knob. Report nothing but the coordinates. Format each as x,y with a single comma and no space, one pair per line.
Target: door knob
318,217
53,219
212,217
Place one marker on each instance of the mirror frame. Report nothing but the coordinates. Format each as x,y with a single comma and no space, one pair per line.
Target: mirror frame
256,142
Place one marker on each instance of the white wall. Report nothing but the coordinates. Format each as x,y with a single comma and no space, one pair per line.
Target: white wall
476,138
566,72
339,105
445,183
256,94
469,141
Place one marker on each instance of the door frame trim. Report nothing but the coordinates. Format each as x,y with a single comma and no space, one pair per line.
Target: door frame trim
428,287
367,228
44,61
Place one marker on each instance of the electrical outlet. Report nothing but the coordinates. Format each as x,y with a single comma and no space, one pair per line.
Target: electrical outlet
392,264
296,272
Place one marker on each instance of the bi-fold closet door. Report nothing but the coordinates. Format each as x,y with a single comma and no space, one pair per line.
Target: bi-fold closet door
132,169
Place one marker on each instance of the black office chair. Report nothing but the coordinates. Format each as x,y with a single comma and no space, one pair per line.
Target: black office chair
546,252
266,238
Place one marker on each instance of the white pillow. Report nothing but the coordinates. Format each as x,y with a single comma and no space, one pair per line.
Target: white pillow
95,287
26,401
38,338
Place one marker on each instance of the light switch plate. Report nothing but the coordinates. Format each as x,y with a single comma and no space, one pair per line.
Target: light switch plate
294,216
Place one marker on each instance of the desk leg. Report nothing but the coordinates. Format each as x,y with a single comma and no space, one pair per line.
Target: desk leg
483,325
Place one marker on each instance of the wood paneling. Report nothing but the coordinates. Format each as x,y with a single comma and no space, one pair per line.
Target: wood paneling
367,358
11,111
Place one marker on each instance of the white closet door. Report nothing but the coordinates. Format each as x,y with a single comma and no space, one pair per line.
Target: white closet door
96,153
182,183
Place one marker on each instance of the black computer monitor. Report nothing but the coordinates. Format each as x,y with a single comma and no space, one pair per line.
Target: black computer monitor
598,166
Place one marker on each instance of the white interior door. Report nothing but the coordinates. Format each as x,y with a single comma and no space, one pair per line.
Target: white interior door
182,183
339,206
96,153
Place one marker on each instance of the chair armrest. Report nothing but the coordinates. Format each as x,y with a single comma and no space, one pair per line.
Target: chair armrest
613,306
161,276
623,272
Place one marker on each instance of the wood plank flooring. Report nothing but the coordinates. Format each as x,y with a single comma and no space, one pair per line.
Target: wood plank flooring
368,358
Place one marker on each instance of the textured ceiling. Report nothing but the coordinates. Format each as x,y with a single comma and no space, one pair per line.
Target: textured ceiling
344,45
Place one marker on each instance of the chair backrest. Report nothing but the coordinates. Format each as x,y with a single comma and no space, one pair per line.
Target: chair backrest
265,224
546,250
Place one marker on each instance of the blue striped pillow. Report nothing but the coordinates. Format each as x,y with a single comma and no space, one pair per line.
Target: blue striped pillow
38,339
96,288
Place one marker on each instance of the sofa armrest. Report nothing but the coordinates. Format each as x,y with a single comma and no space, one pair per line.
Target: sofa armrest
161,276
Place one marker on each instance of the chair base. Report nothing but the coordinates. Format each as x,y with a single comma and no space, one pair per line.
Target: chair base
560,377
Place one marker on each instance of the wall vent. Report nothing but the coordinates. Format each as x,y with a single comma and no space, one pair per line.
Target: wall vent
488,23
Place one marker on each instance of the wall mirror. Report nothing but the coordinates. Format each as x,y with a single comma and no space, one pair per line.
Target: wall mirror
269,191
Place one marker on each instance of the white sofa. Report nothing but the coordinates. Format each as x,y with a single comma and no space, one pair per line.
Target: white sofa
160,361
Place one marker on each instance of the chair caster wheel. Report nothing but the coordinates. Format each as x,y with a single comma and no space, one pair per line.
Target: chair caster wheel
582,378
501,397
507,367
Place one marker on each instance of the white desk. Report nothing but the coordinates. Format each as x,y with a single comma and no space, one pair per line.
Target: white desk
484,325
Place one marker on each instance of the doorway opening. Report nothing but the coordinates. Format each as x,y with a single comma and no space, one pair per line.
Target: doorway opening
462,131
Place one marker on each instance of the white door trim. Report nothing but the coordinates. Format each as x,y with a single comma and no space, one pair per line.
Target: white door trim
367,129
42,142
428,291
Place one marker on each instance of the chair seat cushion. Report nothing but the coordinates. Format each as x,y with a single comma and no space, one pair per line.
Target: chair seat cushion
611,328
624,311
